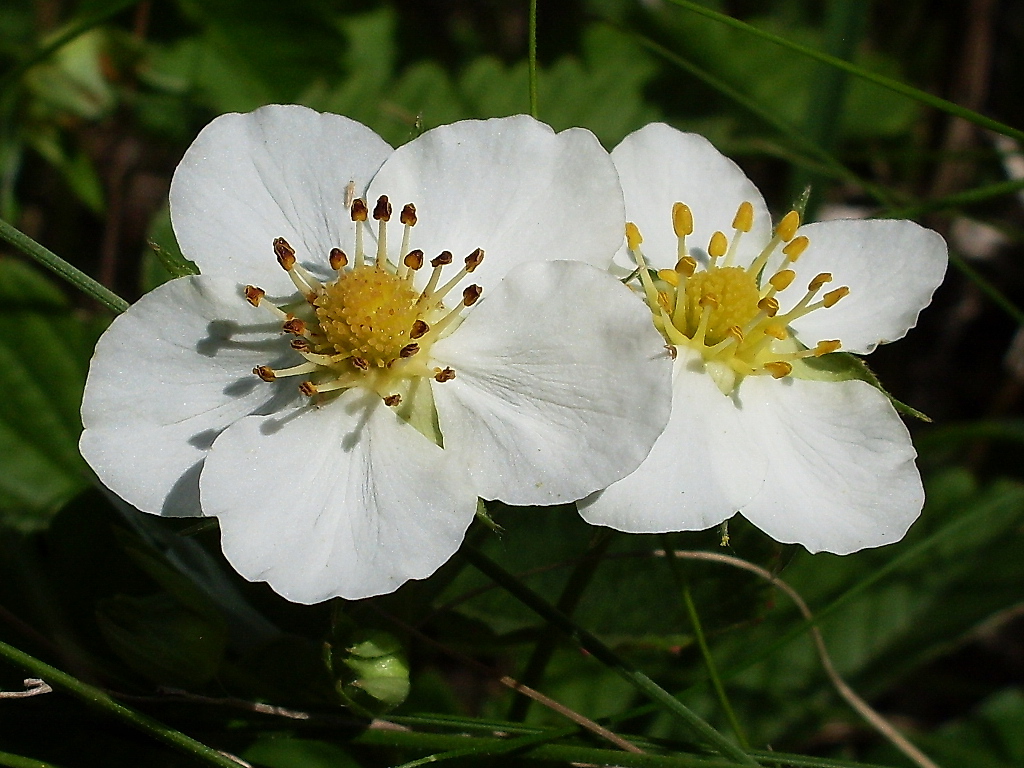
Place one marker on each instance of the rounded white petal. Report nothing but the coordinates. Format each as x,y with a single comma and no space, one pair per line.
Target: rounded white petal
659,166
891,267
167,376
341,500
511,186
841,474
280,171
562,385
699,473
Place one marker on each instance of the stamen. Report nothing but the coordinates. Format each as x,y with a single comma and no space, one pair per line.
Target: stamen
682,225
633,240
686,266
254,295
411,262
285,253
443,375
830,298
708,304
306,284
717,248
264,372
788,226
742,222
339,259
382,215
409,350
439,261
392,400
670,276
359,216
419,329
778,369
408,219
795,248
769,305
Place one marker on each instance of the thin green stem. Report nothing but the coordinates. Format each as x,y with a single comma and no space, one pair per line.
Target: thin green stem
679,573
987,288
573,591
606,656
56,264
886,82
100,699
17,761
534,110
72,30
960,199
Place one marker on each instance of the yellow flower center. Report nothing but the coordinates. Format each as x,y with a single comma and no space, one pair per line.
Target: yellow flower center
368,313
730,314
370,327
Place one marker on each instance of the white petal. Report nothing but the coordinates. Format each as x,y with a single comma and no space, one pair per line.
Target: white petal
167,376
891,267
344,499
842,474
699,473
659,166
562,385
280,171
510,186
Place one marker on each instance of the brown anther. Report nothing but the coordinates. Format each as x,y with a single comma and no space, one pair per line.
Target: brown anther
419,329
284,252
358,210
778,369
382,210
830,298
474,259
300,345
360,363
672,351
339,259
686,266
294,325
409,350
392,400
446,375
471,294
769,306
819,280
264,372
308,388
776,331
254,295
413,259
408,215
445,257
827,347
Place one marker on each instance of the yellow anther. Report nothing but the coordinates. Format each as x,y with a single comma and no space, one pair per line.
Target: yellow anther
633,236
670,276
778,369
776,331
686,266
788,226
769,306
819,280
709,300
827,347
718,245
682,219
796,247
780,281
736,332
830,298
664,301
744,219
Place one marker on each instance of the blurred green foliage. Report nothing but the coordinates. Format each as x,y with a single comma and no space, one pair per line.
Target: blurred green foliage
89,135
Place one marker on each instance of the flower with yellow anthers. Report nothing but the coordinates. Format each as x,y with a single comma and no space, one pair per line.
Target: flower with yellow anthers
751,313
348,375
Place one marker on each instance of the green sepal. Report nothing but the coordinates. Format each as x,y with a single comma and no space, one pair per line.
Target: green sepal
369,667
484,517
842,366
175,264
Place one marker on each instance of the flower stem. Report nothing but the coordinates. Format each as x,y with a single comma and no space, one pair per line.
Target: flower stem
683,582
98,698
56,264
605,655
534,111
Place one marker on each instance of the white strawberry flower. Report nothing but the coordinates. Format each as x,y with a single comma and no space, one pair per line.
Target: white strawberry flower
336,394
751,312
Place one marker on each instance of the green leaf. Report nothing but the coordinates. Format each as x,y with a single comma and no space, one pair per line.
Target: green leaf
43,362
287,752
163,640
